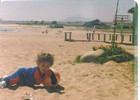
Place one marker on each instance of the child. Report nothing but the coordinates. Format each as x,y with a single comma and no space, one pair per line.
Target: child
32,76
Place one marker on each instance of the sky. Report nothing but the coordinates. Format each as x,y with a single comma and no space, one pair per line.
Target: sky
49,10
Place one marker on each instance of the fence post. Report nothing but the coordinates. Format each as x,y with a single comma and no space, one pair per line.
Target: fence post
130,38
87,36
116,37
109,36
69,36
98,36
65,36
122,38
92,36
104,37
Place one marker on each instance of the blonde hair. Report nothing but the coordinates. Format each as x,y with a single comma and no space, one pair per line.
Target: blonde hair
45,57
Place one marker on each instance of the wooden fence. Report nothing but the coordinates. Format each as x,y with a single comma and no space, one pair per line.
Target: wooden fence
102,37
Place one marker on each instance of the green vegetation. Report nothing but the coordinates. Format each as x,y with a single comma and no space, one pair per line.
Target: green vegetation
127,25
32,22
54,24
78,59
96,23
114,53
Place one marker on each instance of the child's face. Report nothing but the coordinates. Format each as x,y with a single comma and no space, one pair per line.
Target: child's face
44,66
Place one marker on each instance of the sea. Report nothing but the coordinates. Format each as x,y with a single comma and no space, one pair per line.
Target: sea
8,30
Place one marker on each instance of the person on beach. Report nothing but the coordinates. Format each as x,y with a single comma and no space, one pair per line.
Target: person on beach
94,29
32,76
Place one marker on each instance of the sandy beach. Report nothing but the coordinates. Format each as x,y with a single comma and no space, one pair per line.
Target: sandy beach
79,81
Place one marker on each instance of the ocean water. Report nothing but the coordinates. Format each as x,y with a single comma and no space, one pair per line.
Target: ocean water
7,30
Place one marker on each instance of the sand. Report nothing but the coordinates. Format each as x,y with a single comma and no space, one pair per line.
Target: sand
79,81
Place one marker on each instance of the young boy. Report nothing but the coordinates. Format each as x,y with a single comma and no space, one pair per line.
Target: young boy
32,76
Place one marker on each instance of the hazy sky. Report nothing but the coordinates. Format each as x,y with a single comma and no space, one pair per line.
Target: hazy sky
62,9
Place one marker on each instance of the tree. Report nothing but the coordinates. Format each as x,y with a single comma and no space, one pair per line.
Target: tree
92,23
42,22
54,22
131,10
36,22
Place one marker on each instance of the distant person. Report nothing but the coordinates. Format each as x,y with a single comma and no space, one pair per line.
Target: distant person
94,29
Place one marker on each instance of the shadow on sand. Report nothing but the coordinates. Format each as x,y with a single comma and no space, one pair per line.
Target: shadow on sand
56,89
